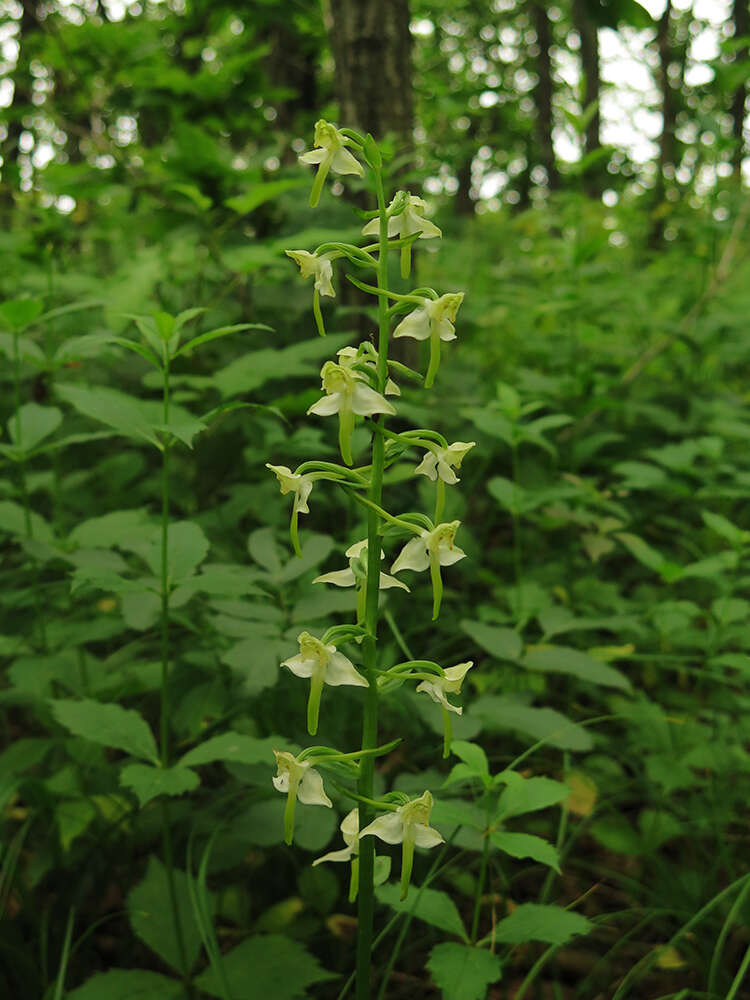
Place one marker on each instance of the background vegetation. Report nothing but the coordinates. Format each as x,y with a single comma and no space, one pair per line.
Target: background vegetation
149,167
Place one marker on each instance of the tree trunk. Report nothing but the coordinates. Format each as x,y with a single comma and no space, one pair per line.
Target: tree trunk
372,49
587,30
543,95
741,17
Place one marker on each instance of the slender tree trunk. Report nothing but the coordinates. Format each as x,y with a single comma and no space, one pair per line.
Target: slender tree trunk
543,95
587,30
741,17
372,49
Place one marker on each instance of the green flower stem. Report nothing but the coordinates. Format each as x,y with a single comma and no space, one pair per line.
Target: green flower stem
294,533
437,584
366,898
407,863
313,702
447,733
289,809
354,880
434,355
480,888
337,470
164,718
383,513
439,501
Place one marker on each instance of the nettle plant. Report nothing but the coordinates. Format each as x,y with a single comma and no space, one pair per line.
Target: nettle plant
357,384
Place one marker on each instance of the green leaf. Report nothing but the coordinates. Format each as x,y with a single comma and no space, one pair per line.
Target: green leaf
430,905
253,370
315,548
126,529
502,643
525,795
724,528
525,845
472,755
644,553
221,331
502,713
28,351
88,345
266,967
149,782
37,423
126,414
187,547
107,725
257,660
463,972
150,915
536,922
13,521
564,660
72,817
19,313
260,193
264,549
236,747
127,984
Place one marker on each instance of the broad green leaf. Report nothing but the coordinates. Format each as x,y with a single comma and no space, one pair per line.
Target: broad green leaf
36,423
264,549
502,643
712,567
260,193
187,547
430,905
725,529
89,345
537,922
236,747
450,813
127,529
262,823
650,557
525,795
222,331
315,548
564,660
128,984
15,314
472,755
503,713
72,817
266,967
148,782
463,972
151,917
108,725
257,661
126,414
28,350
525,845
21,755
258,367
13,521
617,835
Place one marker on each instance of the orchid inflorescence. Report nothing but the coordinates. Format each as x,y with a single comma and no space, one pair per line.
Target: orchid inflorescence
355,386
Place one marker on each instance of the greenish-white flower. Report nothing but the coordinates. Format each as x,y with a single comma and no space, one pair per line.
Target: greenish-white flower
431,550
347,395
298,779
347,577
408,221
442,461
408,826
433,317
350,356
312,266
322,664
330,153
449,683
291,482
350,831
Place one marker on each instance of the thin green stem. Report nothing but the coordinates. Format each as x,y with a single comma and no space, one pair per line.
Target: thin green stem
480,888
366,898
379,512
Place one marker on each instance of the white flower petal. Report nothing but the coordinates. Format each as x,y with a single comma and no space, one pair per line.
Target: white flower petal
344,163
311,791
365,401
326,406
281,782
413,556
339,578
416,325
341,670
313,156
446,473
427,466
426,836
345,854
449,556
357,549
389,828
447,330
436,692
387,582
324,274
300,666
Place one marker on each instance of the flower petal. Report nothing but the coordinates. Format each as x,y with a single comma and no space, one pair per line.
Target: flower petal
436,692
426,836
345,854
344,163
339,578
341,670
387,582
389,828
412,556
427,466
449,556
326,406
416,325
365,401
313,156
311,791
300,666
447,330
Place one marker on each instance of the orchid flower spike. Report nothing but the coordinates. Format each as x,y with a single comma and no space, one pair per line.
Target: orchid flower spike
350,356
347,395
433,319
330,153
299,780
439,687
312,266
408,221
322,664
356,576
408,826
350,832
431,550
300,486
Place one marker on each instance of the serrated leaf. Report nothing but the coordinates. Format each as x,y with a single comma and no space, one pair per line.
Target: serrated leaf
127,984
564,660
502,643
151,917
107,725
236,747
526,845
537,922
463,972
149,782
430,905
266,967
